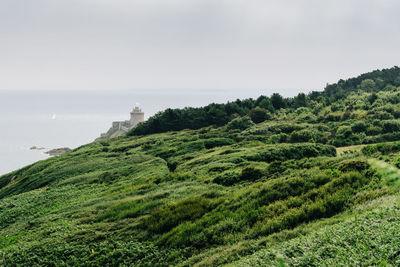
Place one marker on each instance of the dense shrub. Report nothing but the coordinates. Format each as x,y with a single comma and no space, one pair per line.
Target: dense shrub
368,85
169,192
275,167
373,130
251,174
286,128
166,218
107,177
240,123
105,253
172,165
284,152
278,101
220,114
354,165
227,178
328,200
216,142
189,147
258,115
344,132
359,127
381,148
391,126
305,135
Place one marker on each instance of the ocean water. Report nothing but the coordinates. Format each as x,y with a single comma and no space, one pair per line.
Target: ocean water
70,119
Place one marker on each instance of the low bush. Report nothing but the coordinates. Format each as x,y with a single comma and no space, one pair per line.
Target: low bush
217,142
285,152
305,135
166,218
354,165
381,148
227,178
105,253
108,177
241,123
251,174
258,115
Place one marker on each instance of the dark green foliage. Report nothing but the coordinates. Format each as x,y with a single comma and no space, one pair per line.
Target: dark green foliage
220,114
166,218
191,147
305,135
389,76
285,127
251,174
300,100
336,245
274,207
172,165
373,130
354,165
328,200
372,98
258,115
381,148
276,167
227,178
368,85
192,118
217,142
127,209
212,186
94,254
240,124
346,137
391,126
265,103
278,101
359,127
290,151
107,177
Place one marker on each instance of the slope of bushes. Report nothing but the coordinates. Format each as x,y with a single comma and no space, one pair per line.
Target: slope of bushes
250,180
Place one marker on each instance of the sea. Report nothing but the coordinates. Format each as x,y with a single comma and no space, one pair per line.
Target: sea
55,119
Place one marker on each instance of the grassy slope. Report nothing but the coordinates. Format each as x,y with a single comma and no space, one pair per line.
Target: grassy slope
369,238
208,197
366,235
117,201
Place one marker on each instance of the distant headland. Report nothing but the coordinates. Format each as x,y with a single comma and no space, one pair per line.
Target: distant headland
119,128
52,152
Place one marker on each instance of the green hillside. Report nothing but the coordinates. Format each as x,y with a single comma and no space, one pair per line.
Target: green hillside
306,181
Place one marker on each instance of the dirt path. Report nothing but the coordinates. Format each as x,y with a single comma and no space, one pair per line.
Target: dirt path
340,150
390,173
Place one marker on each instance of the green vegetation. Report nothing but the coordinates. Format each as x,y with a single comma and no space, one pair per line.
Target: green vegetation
304,181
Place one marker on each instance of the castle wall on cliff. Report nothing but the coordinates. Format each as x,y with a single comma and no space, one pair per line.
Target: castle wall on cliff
118,128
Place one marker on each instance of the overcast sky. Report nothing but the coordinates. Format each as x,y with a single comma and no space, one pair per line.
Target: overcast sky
128,44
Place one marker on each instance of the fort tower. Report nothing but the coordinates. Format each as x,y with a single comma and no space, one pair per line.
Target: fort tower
136,116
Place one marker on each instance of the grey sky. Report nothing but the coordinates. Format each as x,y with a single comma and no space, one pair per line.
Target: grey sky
127,44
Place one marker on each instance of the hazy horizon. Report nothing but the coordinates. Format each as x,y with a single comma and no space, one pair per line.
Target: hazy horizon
89,61
193,44
54,119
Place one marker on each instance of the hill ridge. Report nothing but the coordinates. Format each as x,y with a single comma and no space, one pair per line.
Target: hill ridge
253,188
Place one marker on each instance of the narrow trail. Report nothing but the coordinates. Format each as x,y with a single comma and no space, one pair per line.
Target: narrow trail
341,150
390,173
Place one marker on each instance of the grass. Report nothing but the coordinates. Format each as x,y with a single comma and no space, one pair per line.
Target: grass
367,239
193,197
390,173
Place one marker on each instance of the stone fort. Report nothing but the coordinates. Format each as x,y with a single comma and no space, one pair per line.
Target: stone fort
118,128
